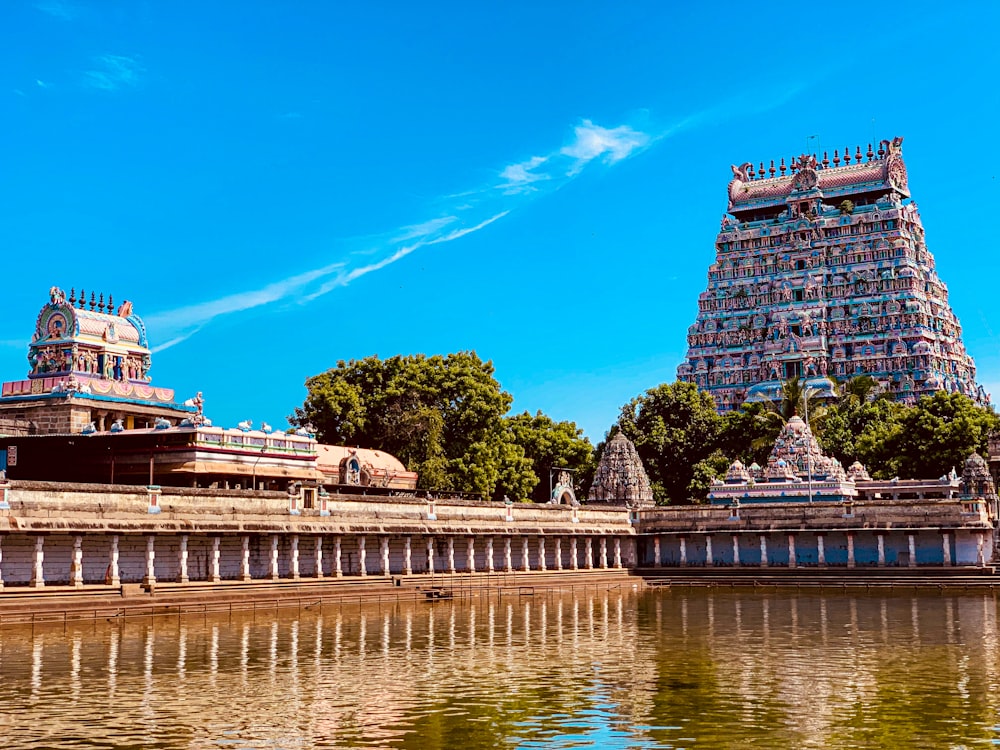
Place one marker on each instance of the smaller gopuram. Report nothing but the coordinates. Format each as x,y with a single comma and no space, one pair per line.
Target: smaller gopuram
89,366
620,476
796,471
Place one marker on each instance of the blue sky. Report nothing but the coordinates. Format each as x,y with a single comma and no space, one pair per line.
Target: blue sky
277,186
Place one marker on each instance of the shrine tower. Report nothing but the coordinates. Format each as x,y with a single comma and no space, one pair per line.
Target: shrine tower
88,369
822,272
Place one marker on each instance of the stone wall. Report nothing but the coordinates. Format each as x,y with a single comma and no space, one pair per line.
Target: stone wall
93,518
870,534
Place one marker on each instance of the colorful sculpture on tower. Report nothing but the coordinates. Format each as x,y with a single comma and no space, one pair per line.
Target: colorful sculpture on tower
822,272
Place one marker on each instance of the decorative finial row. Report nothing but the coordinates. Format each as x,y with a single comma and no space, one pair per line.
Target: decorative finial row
795,163
96,303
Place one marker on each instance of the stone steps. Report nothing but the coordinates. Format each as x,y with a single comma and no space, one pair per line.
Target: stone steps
19,604
836,577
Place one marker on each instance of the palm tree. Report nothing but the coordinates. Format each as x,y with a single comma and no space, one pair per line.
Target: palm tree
797,399
862,387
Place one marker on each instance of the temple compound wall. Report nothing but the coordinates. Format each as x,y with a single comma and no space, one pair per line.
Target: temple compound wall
820,534
56,533
822,271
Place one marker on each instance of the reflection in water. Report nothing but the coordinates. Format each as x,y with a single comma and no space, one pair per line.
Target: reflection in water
607,669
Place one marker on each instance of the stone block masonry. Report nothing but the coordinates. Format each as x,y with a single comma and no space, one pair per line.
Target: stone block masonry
58,534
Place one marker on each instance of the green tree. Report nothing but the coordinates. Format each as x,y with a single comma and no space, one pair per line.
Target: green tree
857,428
748,433
550,444
443,416
938,434
673,427
703,472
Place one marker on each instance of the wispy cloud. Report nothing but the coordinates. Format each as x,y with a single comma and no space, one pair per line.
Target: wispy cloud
518,178
114,72
60,9
347,276
611,144
463,214
184,322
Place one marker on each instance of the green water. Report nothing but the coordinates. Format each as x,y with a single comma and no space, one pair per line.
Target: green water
611,669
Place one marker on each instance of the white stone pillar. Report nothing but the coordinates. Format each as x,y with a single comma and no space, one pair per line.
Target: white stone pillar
946,547
362,556
792,562
656,551
150,578
489,554
850,549
245,558
295,557
318,556
604,552
736,551
559,564
430,555
980,550
588,553
407,555
525,555
508,558
820,551
541,553
618,552
763,550
338,557
709,559
182,560
114,574
76,566
274,557
384,549
215,574
684,551
880,539
912,544
451,554
38,561
472,554
574,557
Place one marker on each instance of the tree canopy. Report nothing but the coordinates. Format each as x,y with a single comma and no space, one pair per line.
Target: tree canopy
684,444
922,441
444,417
549,445
673,426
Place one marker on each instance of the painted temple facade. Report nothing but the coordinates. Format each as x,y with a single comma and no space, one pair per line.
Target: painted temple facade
89,365
88,413
822,272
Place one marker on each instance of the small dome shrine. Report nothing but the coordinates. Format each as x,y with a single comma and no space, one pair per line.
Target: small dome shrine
620,475
858,472
737,473
976,479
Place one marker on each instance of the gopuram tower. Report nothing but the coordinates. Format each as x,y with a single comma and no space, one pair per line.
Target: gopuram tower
822,272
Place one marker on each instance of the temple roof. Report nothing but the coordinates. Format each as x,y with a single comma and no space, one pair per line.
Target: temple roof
330,457
809,177
88,349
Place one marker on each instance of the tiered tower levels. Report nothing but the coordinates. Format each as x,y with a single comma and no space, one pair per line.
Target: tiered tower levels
822,272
